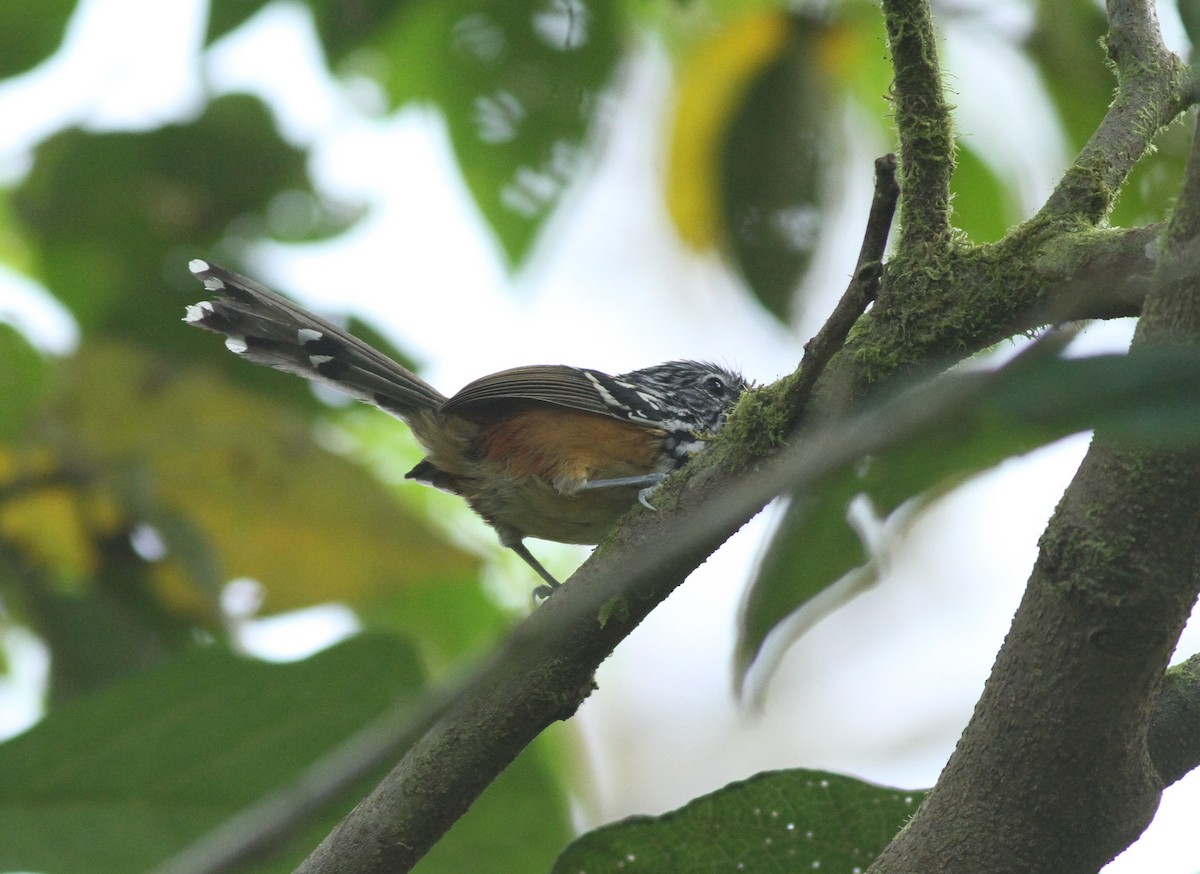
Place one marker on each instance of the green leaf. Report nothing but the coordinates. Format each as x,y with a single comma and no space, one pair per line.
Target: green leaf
120,780
984,207
1065,47
521,85
453,621
714,77
1152,187
1189,15
773,162
755,132
782,821
114,627
113,218
30,30
22,379
929,439
227,15
346,25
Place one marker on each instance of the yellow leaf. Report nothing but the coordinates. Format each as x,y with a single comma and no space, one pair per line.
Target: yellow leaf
42,516
238,483
712,82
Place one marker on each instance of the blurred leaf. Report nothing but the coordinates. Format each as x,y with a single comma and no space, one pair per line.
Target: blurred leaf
43,517
453,621
776,821
123,779
984,206
1065,47
773,165
263,496
227,15
1189,16
113,218
933,437
1152,187
754,134
521,85
30,31
112,628
345,25
22,380
854,55
713,82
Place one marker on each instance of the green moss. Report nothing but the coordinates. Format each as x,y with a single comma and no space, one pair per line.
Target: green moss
760,423
943,305
931,308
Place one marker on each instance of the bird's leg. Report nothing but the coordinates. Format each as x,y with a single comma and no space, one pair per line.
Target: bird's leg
518,546
648,481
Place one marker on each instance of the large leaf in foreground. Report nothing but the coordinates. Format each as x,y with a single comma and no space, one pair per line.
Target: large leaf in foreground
123,780
119,780
778,821
926,440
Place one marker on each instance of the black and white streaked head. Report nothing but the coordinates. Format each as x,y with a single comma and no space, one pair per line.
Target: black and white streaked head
688,399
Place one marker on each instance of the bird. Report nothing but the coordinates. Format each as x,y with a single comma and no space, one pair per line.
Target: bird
553,452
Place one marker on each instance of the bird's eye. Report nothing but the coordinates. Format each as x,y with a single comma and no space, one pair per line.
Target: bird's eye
715,386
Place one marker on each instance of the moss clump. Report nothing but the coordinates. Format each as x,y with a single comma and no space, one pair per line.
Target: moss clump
760,423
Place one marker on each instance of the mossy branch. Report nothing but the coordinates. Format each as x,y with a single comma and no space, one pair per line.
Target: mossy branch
1086,746
943,299
940,300
1152,89
924,125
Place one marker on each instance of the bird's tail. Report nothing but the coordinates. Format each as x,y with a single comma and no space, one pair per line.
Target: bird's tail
266,328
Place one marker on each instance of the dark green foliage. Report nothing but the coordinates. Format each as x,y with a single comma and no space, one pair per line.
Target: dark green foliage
30,30
781,821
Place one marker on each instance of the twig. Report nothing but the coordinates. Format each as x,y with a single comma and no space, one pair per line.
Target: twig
1174,734
862,289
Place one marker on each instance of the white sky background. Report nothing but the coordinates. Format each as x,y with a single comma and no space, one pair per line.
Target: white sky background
882,688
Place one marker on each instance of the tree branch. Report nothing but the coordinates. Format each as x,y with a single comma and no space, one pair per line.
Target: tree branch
1054,771
924,125
544,670
942,299
1150,94
1174,734
1102,273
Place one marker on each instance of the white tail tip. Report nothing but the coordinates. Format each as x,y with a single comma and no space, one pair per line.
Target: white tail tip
197,312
